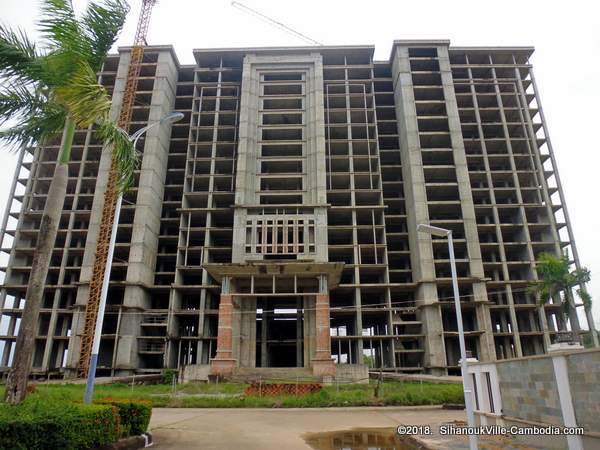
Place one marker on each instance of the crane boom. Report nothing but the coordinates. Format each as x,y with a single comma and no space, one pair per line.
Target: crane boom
111,193
273,22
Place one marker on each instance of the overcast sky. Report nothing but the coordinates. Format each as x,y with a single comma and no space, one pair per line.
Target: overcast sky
567,68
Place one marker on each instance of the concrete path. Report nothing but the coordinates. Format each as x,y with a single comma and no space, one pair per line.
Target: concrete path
276,429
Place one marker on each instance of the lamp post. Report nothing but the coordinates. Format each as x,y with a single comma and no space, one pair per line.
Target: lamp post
89,387
444,233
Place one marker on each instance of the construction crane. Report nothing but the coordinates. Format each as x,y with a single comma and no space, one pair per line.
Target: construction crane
111,195
273,22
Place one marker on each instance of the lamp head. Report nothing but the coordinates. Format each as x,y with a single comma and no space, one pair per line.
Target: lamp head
172,117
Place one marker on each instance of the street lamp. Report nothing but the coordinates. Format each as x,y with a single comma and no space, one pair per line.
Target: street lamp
444,233
172,117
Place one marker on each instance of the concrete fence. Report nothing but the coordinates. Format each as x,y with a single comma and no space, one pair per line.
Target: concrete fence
560,389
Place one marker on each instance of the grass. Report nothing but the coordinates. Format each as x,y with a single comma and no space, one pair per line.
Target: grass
230,395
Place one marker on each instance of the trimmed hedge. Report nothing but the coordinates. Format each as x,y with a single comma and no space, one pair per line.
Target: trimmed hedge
43,425
134,414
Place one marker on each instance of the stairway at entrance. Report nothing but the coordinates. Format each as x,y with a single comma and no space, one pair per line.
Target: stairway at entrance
279,374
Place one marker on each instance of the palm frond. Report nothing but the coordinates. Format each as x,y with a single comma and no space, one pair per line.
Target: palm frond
46,124
565,309
19,57
86,100
125,154
552,268
543,290
18,101
585,297
582,275
60,28
102,23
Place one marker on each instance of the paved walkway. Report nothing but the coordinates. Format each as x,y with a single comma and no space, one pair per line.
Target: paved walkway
276,429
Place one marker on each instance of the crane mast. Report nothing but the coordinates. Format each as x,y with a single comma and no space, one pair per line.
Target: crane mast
111,193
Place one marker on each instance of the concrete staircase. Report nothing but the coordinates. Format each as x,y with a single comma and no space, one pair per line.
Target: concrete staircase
274,374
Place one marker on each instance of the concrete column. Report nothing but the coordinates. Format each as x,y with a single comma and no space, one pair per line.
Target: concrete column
322,363
309,330
486,341
224,363
299,332
264,335
246,353
417,212
146,222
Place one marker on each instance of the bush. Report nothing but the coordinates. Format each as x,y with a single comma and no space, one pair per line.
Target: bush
169,375
134,414
43,425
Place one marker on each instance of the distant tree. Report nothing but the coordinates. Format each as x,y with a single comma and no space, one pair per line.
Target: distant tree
556,278
369,361
588,339
49,90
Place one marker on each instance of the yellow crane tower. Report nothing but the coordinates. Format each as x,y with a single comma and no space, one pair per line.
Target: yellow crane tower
112,193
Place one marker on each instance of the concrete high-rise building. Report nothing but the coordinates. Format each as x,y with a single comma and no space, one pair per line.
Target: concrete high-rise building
275,225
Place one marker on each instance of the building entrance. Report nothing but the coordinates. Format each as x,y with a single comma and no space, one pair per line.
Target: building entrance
279,333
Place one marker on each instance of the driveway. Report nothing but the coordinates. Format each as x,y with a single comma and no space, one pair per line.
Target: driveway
276,429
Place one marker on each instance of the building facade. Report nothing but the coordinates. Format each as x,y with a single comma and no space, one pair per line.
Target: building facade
276,224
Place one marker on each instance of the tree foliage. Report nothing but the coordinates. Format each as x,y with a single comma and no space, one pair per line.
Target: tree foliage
556,277
43,84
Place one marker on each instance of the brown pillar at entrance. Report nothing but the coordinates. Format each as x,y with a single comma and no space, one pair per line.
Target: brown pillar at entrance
224,363
322,363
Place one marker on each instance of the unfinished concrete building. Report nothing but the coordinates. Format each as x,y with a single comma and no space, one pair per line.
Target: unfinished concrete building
275,226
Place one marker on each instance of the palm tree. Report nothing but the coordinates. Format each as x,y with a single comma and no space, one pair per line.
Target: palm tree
556,277
49,90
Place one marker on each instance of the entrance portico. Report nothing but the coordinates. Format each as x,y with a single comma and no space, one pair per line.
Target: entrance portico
274,314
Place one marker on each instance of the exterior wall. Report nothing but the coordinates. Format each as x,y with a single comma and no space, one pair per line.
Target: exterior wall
528,390
584,379
352,373
558,389
194,372
437,134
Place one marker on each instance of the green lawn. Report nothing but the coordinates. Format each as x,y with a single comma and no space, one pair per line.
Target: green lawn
230,395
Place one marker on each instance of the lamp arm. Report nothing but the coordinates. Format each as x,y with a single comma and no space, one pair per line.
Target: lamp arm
138,134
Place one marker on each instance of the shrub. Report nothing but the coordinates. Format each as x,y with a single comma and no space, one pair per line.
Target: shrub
134,414
43,425
169,375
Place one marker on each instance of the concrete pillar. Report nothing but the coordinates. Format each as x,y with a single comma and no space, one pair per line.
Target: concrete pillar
417,212
246,337
309,330
486,340
146,222
264,335
299,332
224,363
322,363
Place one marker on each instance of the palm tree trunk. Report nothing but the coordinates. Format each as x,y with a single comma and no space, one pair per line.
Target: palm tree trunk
16,383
